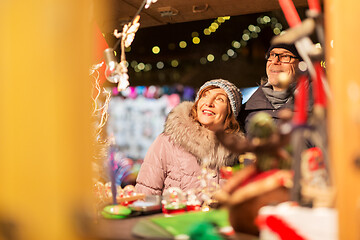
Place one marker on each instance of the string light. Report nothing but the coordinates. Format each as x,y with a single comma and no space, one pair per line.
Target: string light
141,66
203,60
224,57
230,52
156,50
118,72
236,44
182,44
215,25
174,63
194,34
245,37
210,58
160,65
134,64
148,67
251,32
251,28
220,19
196,40
99,111
207,31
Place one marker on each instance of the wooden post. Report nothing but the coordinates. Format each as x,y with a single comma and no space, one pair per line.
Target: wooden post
342,64
45,107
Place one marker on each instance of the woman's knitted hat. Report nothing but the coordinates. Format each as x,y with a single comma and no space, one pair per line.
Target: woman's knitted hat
233,93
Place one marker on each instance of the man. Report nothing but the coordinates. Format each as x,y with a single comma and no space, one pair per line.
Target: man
271,96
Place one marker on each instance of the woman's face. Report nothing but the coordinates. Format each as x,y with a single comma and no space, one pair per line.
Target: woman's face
212,109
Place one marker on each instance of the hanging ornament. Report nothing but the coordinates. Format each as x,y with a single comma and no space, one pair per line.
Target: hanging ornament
149,2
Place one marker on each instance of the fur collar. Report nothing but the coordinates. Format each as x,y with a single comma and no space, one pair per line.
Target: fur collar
183,130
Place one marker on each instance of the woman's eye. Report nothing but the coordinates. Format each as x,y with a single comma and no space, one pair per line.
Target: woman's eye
221,99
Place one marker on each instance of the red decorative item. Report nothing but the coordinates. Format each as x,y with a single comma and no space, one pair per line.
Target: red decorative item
301,101
172,211
314,5
193,208
226,172
291,15
278,226
319,93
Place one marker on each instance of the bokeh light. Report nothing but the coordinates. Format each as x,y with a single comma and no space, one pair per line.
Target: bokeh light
182,44
160,65
207,31
236,44
194,34
196,40
141,66
230,52
155,49
224,57
210,57
174,63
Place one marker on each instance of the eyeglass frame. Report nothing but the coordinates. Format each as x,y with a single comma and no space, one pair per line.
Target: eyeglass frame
278,56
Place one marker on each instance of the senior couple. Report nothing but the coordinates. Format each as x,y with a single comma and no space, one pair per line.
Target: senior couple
188,142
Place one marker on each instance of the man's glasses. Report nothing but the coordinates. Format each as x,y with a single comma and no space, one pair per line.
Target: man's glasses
283,58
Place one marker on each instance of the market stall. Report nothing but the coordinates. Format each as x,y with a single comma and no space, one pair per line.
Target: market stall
46,148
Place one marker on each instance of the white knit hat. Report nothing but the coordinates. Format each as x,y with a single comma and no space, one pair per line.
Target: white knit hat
233,93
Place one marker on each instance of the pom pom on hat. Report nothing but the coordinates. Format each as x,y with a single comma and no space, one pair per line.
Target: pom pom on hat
233,93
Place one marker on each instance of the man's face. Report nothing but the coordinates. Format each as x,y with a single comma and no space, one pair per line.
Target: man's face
274,67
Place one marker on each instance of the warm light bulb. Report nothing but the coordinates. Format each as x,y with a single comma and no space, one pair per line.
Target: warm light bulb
123,83
111,72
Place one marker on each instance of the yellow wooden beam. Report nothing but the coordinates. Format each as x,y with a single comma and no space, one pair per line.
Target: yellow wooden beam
342,61
45,107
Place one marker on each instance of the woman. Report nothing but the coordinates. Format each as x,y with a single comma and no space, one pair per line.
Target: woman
188,142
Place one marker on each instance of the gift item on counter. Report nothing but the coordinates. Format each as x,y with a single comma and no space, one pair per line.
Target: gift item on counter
124,196
192,203
115,212
315,183
174,200
150,204
181,226
207,188
290,221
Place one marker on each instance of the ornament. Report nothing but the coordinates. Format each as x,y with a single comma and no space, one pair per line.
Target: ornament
192,203
149,2
174,200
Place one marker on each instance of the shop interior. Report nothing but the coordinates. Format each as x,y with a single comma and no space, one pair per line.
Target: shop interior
75,129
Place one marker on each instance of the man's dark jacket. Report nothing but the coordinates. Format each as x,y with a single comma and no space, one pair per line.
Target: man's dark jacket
258,102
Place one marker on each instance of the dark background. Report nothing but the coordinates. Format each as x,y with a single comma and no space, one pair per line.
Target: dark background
245,70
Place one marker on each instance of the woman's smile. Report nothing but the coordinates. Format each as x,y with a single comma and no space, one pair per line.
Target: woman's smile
213,109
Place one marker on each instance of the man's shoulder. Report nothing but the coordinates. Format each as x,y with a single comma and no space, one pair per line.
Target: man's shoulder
255,100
